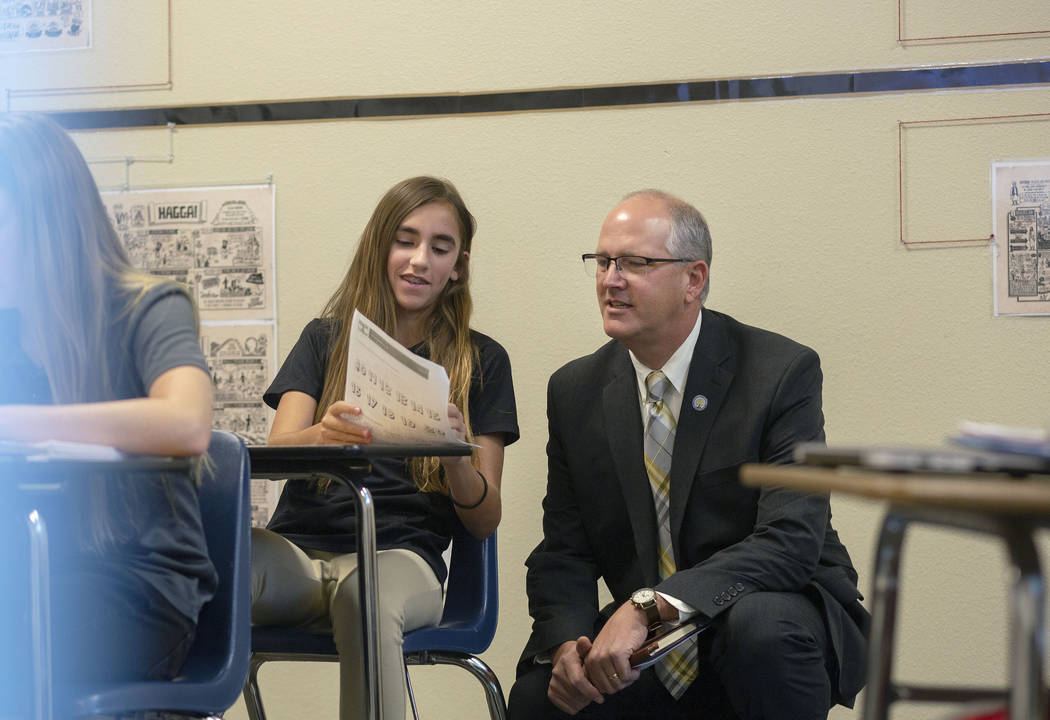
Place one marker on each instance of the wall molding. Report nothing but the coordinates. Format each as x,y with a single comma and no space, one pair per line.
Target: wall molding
575,98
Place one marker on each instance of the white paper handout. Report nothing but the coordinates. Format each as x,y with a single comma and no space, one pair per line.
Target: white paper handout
403,397
60,450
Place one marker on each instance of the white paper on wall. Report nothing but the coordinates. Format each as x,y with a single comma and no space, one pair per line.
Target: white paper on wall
1021,224
27,25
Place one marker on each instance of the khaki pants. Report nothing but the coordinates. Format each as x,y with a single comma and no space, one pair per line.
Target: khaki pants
316,589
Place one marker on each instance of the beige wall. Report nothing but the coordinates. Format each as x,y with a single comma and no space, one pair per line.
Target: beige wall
801,196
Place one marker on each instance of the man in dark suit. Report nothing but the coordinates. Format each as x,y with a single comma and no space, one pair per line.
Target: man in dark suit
646,439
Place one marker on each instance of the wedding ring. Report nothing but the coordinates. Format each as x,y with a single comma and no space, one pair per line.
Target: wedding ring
615,677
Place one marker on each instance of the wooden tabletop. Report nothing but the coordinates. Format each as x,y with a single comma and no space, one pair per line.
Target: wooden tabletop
1029,495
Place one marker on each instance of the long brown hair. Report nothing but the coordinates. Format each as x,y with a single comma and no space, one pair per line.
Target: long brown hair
71,260
72,267
366,288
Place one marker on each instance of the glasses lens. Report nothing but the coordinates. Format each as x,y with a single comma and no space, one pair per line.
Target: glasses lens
593,266
632,266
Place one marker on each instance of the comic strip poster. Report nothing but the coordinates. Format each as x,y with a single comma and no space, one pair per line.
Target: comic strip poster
1021,223
216,241
44,25
241,361
219,243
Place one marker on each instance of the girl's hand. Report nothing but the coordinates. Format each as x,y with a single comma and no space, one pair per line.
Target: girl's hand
455,419
338,426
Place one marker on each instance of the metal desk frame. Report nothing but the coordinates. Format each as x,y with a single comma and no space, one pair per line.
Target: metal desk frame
1025,695
350,466
48,476
1008,508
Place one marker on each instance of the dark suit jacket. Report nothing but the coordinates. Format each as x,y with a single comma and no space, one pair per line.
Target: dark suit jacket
763,397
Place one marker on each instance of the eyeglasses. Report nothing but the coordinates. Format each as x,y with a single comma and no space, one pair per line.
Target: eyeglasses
630,266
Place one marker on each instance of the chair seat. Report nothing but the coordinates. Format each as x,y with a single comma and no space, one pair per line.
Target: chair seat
459,636
281,640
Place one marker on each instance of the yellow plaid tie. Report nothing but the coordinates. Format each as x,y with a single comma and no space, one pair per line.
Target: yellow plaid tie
678,669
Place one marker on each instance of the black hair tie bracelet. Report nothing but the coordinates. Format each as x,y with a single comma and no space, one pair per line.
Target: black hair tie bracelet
484,494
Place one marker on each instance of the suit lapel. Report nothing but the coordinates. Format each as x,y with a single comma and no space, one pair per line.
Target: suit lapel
708,378
624,431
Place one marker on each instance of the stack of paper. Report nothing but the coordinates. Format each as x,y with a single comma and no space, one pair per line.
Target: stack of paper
403,397
1004,438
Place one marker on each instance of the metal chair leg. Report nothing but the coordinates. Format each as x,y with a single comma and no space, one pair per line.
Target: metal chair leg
494,698
252,697
879,693
493,692
1027,628
411,694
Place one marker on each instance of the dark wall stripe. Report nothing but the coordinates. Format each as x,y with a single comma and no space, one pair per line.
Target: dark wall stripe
880,81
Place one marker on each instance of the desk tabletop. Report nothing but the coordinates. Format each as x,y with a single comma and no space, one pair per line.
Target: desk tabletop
278,462
354,452
1029,495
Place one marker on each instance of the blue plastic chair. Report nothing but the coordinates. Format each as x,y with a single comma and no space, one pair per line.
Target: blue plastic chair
467,627
214,671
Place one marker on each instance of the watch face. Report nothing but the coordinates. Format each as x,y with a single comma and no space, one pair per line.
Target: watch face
645,595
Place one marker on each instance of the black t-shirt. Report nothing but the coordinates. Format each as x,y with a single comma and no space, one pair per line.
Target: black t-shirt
422,522
154,518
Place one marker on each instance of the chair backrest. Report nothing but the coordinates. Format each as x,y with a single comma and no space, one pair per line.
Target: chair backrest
225,497
214,671
471,613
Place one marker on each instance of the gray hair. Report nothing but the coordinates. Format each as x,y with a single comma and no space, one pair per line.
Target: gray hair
690,236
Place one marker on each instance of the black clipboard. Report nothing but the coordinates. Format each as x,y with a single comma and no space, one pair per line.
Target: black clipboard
663,642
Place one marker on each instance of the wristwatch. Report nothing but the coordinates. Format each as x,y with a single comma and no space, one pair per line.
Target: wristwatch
645,600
